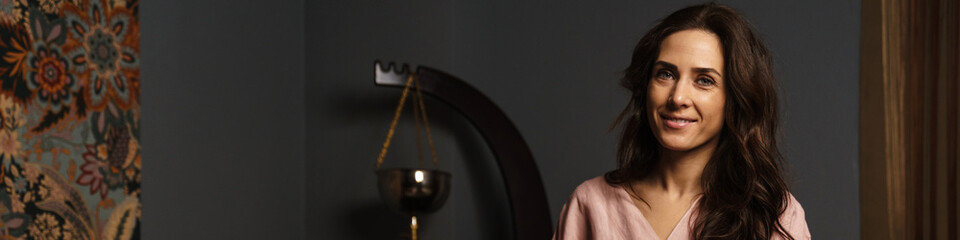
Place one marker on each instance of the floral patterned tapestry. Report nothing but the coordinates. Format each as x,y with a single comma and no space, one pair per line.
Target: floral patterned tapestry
69,119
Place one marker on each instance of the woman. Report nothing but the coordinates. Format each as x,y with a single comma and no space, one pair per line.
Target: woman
698,156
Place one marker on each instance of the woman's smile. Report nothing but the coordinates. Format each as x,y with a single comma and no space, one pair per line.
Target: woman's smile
676,121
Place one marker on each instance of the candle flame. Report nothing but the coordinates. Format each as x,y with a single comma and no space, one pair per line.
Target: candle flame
413,228
418,175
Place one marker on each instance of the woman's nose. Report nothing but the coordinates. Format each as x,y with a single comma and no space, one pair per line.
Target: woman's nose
680,98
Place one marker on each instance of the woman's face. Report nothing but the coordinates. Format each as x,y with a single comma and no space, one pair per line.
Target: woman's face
685,94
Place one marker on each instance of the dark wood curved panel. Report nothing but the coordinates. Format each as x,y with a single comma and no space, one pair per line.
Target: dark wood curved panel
528,199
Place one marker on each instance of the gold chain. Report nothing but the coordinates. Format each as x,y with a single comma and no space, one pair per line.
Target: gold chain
416,128
426,123
419,107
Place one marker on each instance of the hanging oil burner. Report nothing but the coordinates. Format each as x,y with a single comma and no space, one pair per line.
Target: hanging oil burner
413,192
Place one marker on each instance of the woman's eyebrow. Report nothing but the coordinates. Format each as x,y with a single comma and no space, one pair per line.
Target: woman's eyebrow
698,70
666,65
706,70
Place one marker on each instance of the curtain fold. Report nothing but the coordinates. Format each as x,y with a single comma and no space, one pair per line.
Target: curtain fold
931,71
910,78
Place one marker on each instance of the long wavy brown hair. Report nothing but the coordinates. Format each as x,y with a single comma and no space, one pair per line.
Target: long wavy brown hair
743,191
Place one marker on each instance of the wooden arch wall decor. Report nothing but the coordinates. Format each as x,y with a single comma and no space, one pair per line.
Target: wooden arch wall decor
528,199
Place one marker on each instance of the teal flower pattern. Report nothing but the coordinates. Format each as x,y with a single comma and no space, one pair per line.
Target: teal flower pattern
70,154
48,77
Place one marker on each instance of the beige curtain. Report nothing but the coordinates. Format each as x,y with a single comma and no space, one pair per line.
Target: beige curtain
909,119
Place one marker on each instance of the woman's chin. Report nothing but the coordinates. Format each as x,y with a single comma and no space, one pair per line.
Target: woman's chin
683,143
683,148
677,146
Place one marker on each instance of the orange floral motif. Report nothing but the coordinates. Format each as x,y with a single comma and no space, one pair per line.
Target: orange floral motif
12,11
48,76
9,144
45,227
15,45
70,157
106,43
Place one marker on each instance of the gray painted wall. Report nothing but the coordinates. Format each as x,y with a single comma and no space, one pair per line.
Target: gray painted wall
223,117
263,119
553,68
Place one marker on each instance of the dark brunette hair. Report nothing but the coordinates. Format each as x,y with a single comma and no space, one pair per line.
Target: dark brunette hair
743,191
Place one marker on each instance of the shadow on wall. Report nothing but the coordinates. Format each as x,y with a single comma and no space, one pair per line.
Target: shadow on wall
490,195
478,205
372,220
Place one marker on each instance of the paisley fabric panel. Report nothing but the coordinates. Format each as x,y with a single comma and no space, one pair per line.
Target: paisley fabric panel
70,119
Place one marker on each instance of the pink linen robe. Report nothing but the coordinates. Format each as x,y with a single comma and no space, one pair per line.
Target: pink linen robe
597,210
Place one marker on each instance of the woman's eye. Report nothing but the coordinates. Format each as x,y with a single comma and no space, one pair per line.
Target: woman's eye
664,75
706,81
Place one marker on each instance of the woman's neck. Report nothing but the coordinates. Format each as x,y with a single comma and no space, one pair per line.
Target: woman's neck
680,171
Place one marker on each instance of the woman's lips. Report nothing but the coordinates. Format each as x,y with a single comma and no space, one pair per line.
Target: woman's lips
677,122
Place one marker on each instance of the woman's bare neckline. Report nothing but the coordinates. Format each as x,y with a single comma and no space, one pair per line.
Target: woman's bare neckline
635,200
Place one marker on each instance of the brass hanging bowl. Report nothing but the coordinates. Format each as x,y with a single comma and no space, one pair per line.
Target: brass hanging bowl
413,191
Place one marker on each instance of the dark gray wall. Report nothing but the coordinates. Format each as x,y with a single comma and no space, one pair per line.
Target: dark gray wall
263,120
348,118
223,119
553,68
816,49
